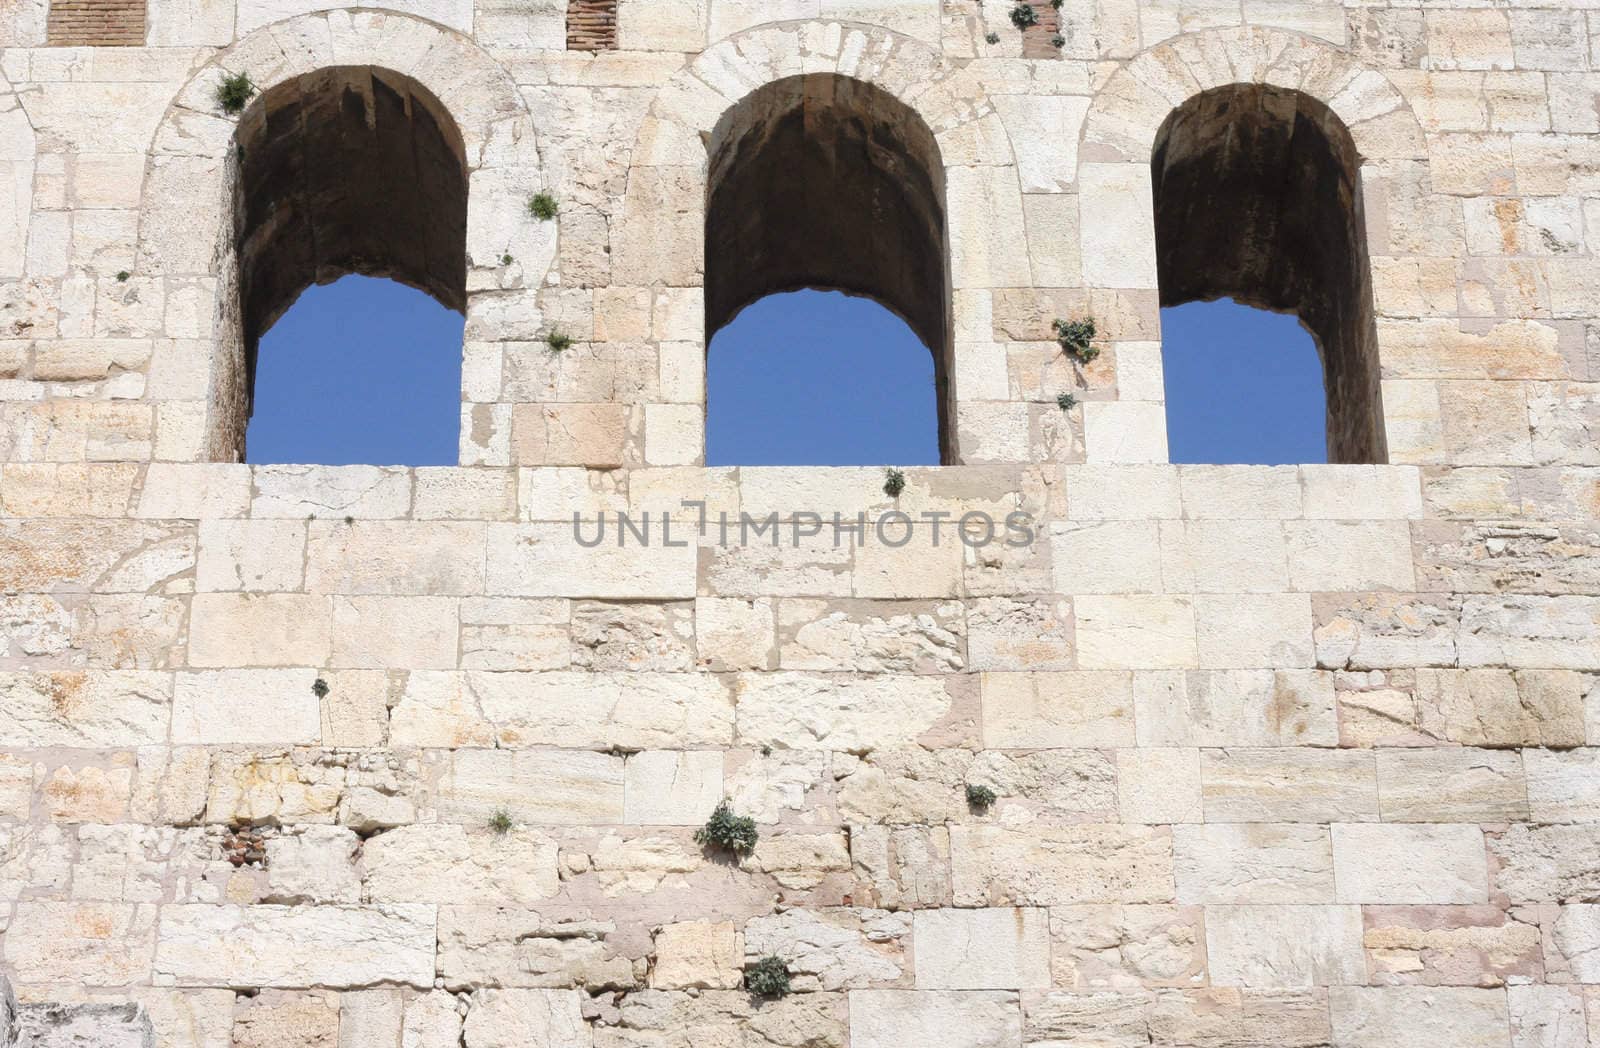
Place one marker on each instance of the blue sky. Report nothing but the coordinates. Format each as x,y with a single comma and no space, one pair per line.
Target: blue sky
808,378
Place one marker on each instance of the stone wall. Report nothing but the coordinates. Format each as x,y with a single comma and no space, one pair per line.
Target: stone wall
367,757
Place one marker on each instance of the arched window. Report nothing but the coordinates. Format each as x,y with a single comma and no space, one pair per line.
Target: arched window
352,170
825,182
1258,199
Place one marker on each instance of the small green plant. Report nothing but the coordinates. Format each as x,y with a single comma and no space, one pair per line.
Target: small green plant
558,342
1065,401
500,822
768,977
980,797
234,92
1057,4
542,207
993,38
506,259
894,482
319,688
1023,16
730,832
1058,41
122,276
1076,337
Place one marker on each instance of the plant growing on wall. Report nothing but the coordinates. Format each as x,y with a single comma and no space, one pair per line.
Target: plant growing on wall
980,797
1065,401
234,92
727,831
1023,16
1076,338
558,342
894,482
542,206
500,822
768,977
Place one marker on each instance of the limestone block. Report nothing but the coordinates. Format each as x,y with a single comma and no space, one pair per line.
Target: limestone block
833,949
316,864
526,1019
1223,556
1546,1017
1547,863
395,632
1562,787
838,712
1556,632
87,943
986,228
1410,864
1044,710
510,633
1113,1020
698,955
565,787
948,1019
983,949
330,492
260,707
1389,1017
520,948
1119,230
1346,555
1253,863
65,1025
1287,784
1078,553
1382,630
1135,632
1006,633
1493,707
1127,946
445,863
1159,785
271,1021
1052,866
545,560
865,636
616,636
1450,945
1452,785
1124,431
254,555
75,708
906,866
269,629
383,557
1257,1018
1285,946
671,787
295,946
1248,631
1235,708
801,860
431,1020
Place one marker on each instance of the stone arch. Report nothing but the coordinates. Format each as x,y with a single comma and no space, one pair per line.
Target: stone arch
1243,146
887,72
186,221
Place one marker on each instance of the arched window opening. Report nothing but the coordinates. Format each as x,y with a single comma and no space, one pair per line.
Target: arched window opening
1243,385
819,378
349,170
828,183
1258,198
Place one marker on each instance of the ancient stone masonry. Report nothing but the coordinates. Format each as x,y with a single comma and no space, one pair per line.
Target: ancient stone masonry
370,757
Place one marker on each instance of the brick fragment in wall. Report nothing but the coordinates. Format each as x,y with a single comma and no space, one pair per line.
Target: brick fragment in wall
96,23
591,25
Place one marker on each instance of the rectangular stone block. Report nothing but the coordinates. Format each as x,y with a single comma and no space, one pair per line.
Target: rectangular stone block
246,707
983,949
671,787
949,1019
1248,863
1451,785
1406,1016
295,946
542,787
1048,710
1410,864
269,629
1054,866
1288,784
1285,946
546,560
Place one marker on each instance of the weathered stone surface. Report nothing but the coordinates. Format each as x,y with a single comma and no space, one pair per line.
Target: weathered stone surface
1253,863
984,949
888,1018
1385,1016
1418,864
445,863
282,946
1547,863
851,713
1127,946
1057,866
530,1018
702,955
1449,945
1285,945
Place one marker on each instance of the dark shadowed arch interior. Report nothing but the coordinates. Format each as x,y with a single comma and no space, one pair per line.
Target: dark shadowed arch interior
823,181
348,169
1258,197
